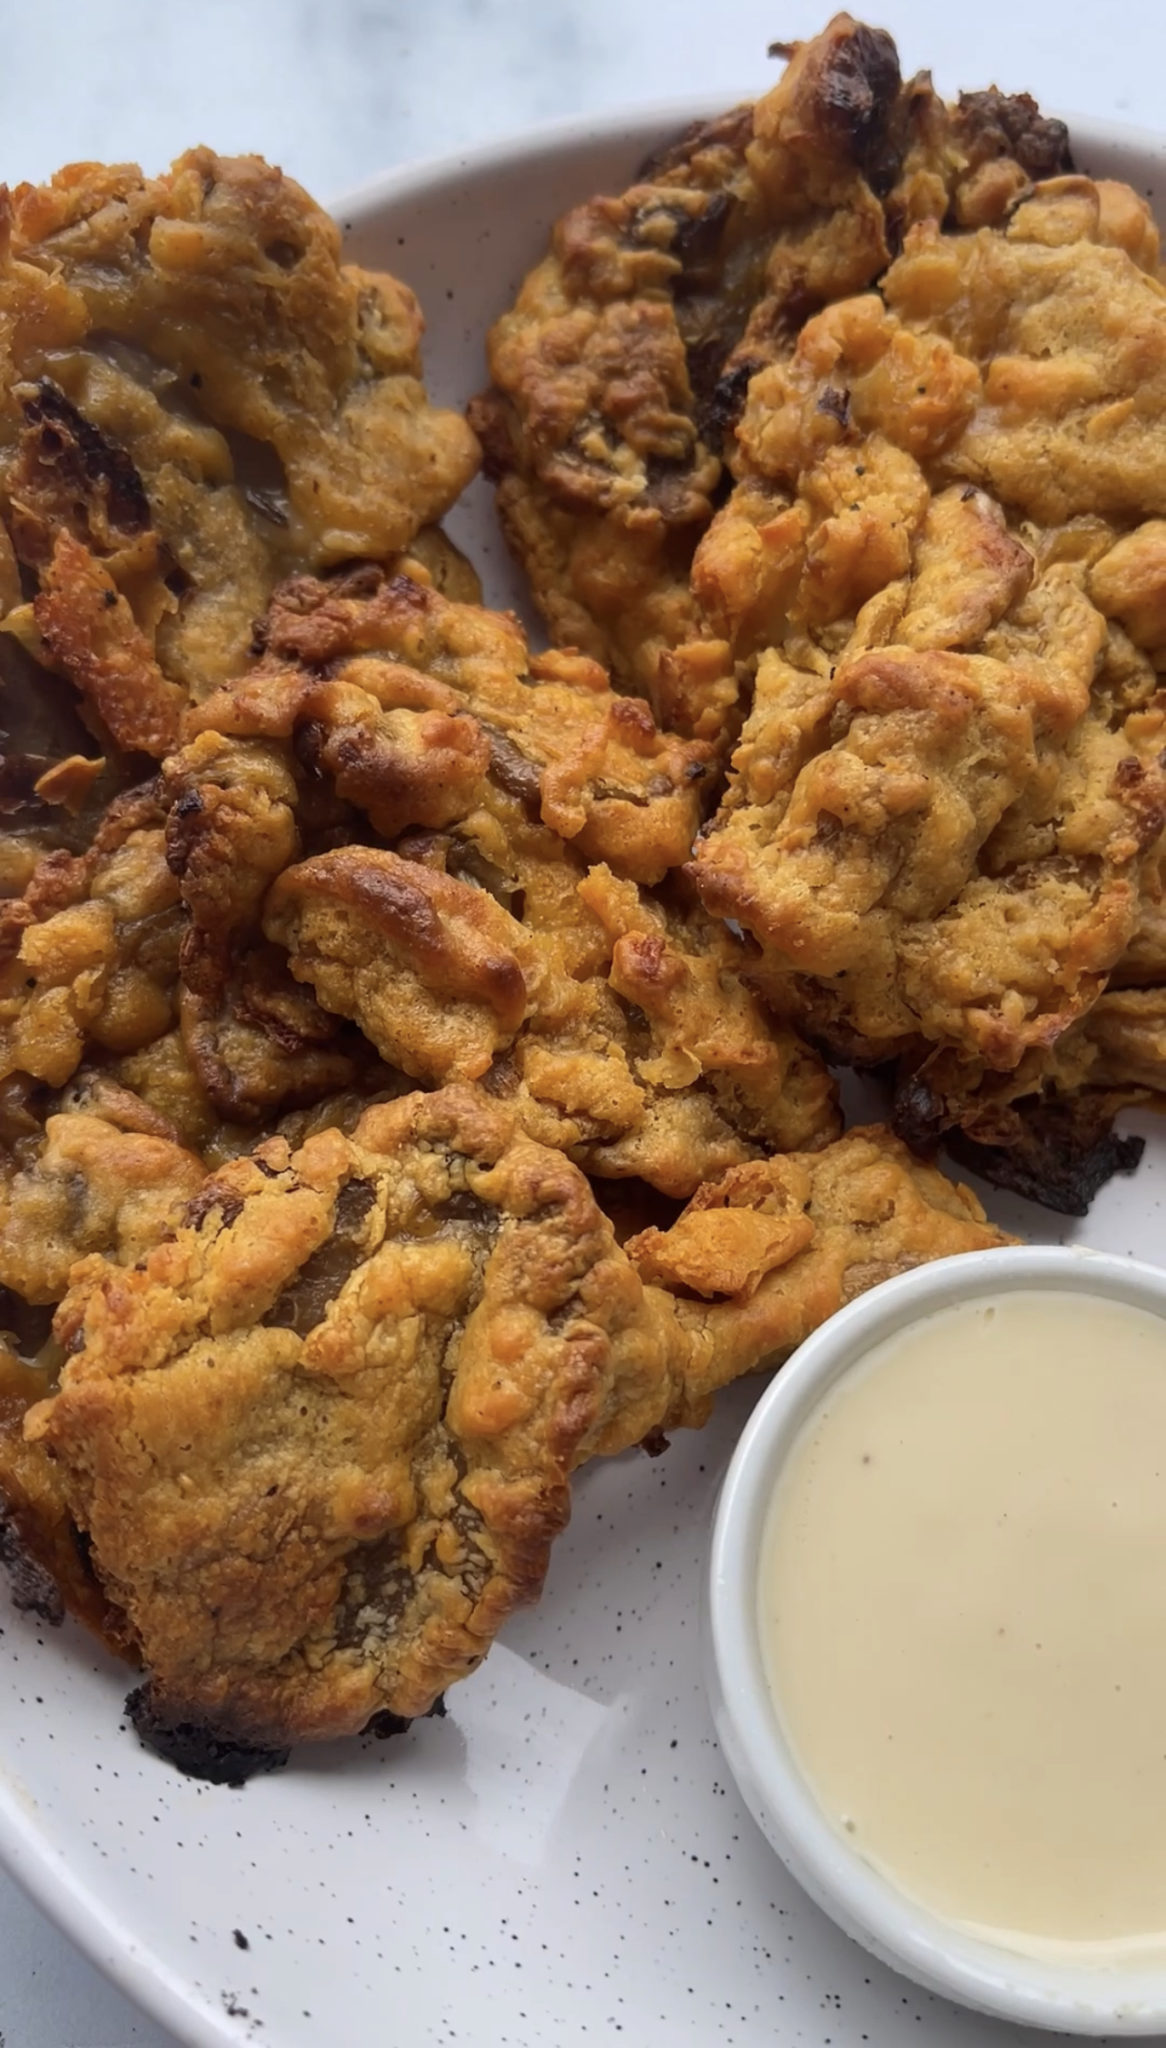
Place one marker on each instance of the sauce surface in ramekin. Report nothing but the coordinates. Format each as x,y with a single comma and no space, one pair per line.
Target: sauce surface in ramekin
962,1609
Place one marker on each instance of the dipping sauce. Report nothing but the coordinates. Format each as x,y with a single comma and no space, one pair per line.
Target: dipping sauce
963,1618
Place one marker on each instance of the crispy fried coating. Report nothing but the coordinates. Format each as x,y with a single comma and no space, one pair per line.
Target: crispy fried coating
197,398
89,953
1045,1129
938,835
319,1439
943,823
617,1027
431,968
619,373
88,629
470,947
256,1042
90,1188
405,699
1064,315
948,509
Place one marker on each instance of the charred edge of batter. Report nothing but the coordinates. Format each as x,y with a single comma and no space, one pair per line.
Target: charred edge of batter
33,1589
1056,1150
386,1724
100,461
732,130
200,1750
197,1749
1055,1162
994,124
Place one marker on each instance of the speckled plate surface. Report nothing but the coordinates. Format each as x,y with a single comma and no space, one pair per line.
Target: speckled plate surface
563,1858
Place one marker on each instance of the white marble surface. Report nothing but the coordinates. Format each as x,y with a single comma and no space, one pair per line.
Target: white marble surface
336,90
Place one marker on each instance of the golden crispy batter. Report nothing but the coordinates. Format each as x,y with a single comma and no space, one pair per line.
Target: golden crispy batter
929,841
319,1440
89,630
764,1255
431,968
196,398
623,363
405,699
39,1545
90,1188
619,1029
89,953
943,823
1064,315
255,1041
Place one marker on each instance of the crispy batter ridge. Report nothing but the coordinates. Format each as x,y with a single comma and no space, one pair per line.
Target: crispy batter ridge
944,815
89,1188
621,368
1045,1130
934,843
89,953
257,1042
405,699
319,1440
1065,315
616,1026
198,398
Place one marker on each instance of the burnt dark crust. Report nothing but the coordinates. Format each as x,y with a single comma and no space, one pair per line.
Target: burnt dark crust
196,1750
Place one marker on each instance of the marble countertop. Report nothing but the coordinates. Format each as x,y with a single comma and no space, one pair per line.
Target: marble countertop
336,90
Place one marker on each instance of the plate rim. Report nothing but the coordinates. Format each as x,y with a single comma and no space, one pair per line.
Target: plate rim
355,206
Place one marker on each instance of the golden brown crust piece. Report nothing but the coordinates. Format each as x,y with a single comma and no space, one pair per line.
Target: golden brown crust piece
379,676
616,1027
319,1439
944,818
621,368
196,399
89,953
89,1188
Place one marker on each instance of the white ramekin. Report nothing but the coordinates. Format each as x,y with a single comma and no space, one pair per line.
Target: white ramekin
862,1901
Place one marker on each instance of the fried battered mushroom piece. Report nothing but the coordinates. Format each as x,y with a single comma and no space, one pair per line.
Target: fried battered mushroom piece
89,1188
40,1544
939,843
256,1042
617,1028
1065,315
1017,358
941,808
619,373
1045,1130
319,1440
199,398
405,700
89,953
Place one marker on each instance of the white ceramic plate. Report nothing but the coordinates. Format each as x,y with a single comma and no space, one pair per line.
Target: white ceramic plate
563,1859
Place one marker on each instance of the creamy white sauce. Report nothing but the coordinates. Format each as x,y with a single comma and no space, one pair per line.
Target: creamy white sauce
963,1616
